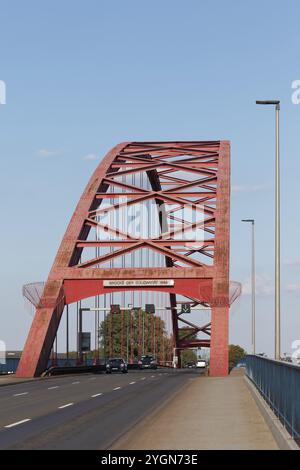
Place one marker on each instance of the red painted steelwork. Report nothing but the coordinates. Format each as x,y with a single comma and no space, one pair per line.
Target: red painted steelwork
78,289
196,173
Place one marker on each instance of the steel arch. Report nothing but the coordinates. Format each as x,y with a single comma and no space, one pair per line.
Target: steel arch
207,188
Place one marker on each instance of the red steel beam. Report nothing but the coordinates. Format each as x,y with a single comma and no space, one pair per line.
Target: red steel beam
201,283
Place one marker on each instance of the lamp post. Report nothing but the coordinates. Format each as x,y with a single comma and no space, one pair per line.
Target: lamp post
129,306
252,221
80,336
67,333
276,103
104,334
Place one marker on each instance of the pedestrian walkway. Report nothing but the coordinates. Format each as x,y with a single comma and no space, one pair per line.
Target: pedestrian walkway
209,413
12,380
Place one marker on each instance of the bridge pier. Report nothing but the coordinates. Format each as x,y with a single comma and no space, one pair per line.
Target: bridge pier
219,342
42,333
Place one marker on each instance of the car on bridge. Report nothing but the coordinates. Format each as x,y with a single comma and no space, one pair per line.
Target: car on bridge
190,365
147,362
116,364
201,364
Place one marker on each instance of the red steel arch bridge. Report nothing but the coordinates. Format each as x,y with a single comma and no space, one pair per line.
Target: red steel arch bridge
153,221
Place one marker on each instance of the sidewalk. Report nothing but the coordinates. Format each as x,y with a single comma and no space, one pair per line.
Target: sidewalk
209,413
12,380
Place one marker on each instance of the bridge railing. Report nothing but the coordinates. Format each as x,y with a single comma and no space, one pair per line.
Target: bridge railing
11,364
279,384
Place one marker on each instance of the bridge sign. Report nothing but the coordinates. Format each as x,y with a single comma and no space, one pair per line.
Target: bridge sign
85,341
150,308
138,282
115,308
185,308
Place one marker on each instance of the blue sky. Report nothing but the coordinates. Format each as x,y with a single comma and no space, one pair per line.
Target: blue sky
82,76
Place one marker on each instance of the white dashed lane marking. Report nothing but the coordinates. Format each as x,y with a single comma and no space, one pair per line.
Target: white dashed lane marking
65,406
17,423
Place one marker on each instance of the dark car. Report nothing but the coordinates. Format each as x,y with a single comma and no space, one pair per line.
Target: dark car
116,364
190,365
147,362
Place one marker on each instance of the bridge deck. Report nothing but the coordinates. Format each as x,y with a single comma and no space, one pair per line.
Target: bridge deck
209,413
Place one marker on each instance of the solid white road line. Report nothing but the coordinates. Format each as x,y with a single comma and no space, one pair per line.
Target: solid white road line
17,423
52,388
74,383
117,388
65,406
131,383
20,394
96,395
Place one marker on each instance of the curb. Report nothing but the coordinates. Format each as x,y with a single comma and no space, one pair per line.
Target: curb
36,379
18,382
280,434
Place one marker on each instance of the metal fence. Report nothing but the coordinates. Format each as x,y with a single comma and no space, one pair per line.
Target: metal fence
11,364
279,384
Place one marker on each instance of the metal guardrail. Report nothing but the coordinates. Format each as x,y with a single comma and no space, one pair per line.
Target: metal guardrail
67,366
63,370
279,384
75,369
11,364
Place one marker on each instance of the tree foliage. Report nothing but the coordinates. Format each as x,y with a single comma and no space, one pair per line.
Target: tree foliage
236,353
133,333
187,330
188,355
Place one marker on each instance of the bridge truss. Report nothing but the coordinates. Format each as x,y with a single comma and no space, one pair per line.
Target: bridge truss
170,199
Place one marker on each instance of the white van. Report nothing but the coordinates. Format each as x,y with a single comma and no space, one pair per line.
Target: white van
201,364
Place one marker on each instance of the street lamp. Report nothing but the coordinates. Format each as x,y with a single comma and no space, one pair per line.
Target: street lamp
276,103
252,283
104,334
130,307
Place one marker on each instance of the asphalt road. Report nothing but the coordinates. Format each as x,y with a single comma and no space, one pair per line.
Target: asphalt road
83,411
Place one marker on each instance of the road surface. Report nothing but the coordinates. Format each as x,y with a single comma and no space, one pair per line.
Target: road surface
83,411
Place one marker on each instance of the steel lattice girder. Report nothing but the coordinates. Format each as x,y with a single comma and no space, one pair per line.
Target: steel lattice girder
206,190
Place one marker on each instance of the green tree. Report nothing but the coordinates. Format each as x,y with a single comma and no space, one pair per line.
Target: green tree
187,331
236,353
188,355
134,333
